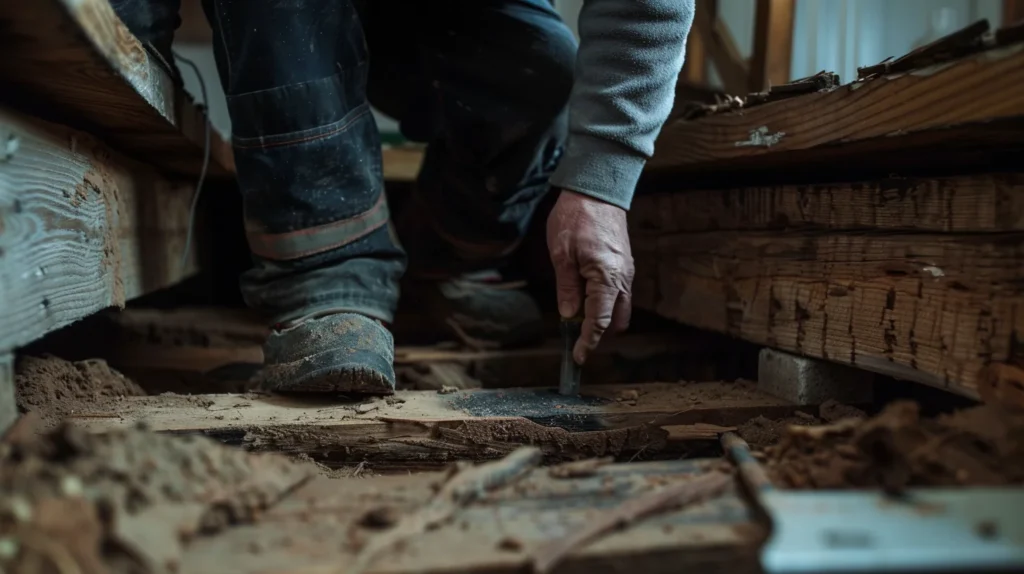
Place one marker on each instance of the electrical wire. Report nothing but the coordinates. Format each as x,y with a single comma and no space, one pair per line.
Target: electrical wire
206,162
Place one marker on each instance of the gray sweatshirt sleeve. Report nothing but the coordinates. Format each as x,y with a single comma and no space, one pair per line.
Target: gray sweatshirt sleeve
630,55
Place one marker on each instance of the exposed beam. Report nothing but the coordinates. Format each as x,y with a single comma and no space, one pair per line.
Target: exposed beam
773,44
905,277
75,62
1013,11
81,228
730,64
695,68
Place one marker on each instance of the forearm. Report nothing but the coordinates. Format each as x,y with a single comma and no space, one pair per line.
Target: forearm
629,58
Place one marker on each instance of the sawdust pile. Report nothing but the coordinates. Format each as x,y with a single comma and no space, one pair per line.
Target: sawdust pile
125,502
982,446
57,388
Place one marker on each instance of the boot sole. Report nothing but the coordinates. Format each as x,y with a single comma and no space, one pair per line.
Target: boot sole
338,380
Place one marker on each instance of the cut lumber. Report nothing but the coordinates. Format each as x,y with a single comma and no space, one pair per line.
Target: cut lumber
925,307
978,203
322,525
1013,11
773,43
74,61
972,103
421,429
81,229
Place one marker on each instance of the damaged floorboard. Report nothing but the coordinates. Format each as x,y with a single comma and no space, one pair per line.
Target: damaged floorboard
423,429
892,116
319,527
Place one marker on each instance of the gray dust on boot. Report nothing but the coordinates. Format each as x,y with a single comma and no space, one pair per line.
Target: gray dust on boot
340,353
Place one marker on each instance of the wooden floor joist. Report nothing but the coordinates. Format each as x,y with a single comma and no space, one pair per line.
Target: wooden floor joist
74,61
919,110
319,528
918,279
423,429
81,228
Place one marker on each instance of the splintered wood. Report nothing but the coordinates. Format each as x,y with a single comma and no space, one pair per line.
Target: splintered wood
462,488
660,500
979,88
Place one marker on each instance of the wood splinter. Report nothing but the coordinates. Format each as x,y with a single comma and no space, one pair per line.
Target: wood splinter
669,497
461,489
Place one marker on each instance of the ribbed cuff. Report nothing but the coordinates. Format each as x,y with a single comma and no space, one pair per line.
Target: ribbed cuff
601,169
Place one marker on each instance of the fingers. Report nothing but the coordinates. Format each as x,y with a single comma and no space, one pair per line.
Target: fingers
622,313
624,303
569,284
600,306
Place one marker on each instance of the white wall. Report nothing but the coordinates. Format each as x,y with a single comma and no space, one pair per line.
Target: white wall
842,35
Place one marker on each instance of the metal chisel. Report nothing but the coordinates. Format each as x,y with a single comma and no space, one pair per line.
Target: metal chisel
569,382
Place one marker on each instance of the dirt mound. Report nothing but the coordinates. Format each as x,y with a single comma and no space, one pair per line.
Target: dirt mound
126,501
982,446
56,388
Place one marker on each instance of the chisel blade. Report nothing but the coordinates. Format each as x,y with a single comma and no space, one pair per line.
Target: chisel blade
569,382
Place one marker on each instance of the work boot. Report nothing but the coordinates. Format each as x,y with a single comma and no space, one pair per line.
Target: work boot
337,353
482,310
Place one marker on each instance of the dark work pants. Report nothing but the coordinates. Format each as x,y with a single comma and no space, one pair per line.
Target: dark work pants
483,82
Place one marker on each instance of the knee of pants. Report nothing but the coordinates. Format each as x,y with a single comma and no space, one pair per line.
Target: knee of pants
555,60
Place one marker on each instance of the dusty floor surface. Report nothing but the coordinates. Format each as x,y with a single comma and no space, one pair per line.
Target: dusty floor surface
981,446
762,432
57,388
125,501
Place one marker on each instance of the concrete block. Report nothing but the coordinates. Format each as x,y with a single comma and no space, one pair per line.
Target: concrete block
807,381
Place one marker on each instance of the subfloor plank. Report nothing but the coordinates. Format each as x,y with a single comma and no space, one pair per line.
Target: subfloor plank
81,228
421,429
317,529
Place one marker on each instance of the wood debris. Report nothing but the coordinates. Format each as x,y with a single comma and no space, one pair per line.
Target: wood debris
961,43
460,489
579,468
898,449
660,500
126,501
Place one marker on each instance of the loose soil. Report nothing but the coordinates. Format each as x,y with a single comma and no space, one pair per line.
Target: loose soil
126,501
762,432
56,388
896,449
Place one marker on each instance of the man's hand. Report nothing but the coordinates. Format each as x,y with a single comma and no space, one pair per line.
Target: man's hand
589,248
